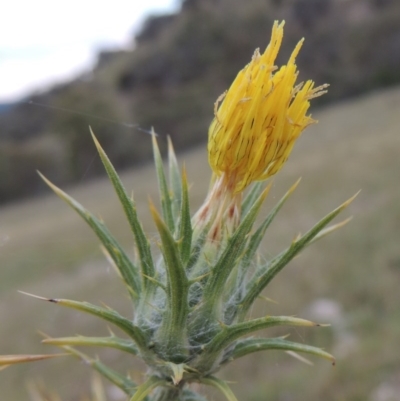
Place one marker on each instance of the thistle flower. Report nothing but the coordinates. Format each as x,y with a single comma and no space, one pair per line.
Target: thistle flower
191,303
259,118
256,123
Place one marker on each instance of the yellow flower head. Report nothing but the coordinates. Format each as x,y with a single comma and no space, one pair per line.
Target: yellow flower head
260,117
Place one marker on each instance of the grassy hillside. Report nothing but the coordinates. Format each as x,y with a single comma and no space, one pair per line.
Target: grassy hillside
179,65
354,275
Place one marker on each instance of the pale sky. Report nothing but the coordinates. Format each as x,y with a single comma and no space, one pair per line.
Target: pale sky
43,42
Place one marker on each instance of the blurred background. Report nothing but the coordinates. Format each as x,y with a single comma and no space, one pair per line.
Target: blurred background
124,68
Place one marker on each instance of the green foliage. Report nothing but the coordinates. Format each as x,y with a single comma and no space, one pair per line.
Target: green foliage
185,329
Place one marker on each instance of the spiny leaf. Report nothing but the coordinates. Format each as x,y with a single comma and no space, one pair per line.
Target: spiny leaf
250,345
146,260
220,273
177,286
220,385
166,203
260,281
6,360
110,342
251,249
256,238
231,333
109,315
185,229
128,271
174,180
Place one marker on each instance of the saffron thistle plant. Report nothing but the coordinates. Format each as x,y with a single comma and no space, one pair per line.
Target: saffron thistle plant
191,303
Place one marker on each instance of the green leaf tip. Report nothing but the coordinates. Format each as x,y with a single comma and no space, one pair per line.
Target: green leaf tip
175,180
142,243
166,202
252,345
109,342
185,224
128,271
7,360
103,313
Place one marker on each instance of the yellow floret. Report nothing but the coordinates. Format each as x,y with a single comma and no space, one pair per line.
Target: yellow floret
260,117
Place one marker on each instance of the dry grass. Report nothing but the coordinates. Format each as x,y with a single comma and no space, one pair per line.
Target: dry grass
49,251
